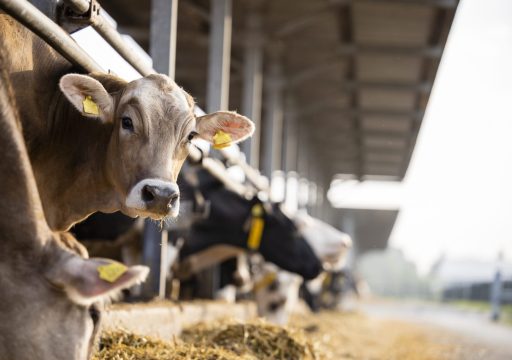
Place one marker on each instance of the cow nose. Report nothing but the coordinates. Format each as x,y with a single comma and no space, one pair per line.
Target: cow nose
160,196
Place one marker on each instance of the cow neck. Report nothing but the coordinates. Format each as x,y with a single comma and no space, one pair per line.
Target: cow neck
70,168
21,215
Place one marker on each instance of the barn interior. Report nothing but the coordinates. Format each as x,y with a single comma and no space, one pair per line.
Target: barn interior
337,90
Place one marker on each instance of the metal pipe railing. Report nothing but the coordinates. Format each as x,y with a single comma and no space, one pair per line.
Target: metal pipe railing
253,175
217,169
28,15
111,35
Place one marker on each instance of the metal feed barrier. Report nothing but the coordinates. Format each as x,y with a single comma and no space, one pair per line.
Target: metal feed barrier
78,14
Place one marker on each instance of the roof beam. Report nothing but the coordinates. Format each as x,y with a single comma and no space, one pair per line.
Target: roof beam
322,107
301,22
447,4
298,79
433,52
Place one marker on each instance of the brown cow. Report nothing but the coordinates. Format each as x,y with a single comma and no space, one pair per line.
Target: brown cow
106,145
49,295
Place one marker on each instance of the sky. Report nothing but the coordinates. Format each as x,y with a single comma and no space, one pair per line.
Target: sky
456,198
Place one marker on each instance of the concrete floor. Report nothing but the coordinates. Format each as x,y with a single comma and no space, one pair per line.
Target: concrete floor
482,338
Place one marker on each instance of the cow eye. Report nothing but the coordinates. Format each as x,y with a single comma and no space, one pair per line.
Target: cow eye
127,123
192,135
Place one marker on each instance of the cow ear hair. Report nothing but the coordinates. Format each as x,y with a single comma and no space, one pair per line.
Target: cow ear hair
111,82
237,126
88,96
86,281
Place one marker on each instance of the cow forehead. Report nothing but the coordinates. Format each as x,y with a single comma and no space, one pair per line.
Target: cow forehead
158,92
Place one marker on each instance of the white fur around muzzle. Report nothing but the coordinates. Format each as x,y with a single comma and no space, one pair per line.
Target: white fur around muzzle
135,202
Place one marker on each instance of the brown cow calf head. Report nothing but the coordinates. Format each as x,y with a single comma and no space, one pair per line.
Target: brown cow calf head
152,122
51,301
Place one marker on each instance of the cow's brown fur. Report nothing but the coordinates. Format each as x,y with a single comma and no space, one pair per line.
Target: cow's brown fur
27,246
77,160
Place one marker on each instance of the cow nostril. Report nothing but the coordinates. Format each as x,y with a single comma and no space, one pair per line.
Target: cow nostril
147,194
173,199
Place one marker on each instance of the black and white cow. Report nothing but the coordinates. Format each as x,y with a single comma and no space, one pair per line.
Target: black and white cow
230,220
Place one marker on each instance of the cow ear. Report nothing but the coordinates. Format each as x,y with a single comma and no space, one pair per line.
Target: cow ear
88,96
231,126
86,281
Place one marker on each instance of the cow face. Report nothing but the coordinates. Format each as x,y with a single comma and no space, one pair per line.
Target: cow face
328,243
276,293
285,246
50,308
151,123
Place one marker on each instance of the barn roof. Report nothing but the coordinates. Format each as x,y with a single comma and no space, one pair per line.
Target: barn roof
360,71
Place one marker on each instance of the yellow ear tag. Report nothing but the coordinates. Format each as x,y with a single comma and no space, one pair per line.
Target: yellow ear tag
221,140
111,272
257,226
90,107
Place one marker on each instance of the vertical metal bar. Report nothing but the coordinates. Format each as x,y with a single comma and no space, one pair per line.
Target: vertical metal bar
163,265
217,98
164,19
151,256
303,148
496,291
164,23
252,87
327,210
217,94
348,225
273,124
291,141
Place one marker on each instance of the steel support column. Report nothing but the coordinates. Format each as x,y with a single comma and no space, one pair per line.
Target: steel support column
273,124
290,138
253,81
163,51
217,94
217,98
164,22
348,225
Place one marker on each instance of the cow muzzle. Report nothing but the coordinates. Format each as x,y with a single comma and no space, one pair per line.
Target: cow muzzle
154,198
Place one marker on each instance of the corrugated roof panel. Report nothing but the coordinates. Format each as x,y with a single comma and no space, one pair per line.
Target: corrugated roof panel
387,99
379,157
388,124
391,24
388,68
384,142
382,169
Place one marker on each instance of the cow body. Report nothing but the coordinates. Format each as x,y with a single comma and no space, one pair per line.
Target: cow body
98,143
62,321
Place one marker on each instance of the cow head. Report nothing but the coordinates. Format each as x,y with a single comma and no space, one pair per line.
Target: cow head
276,293
328,243
150,123
285,246
51,301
